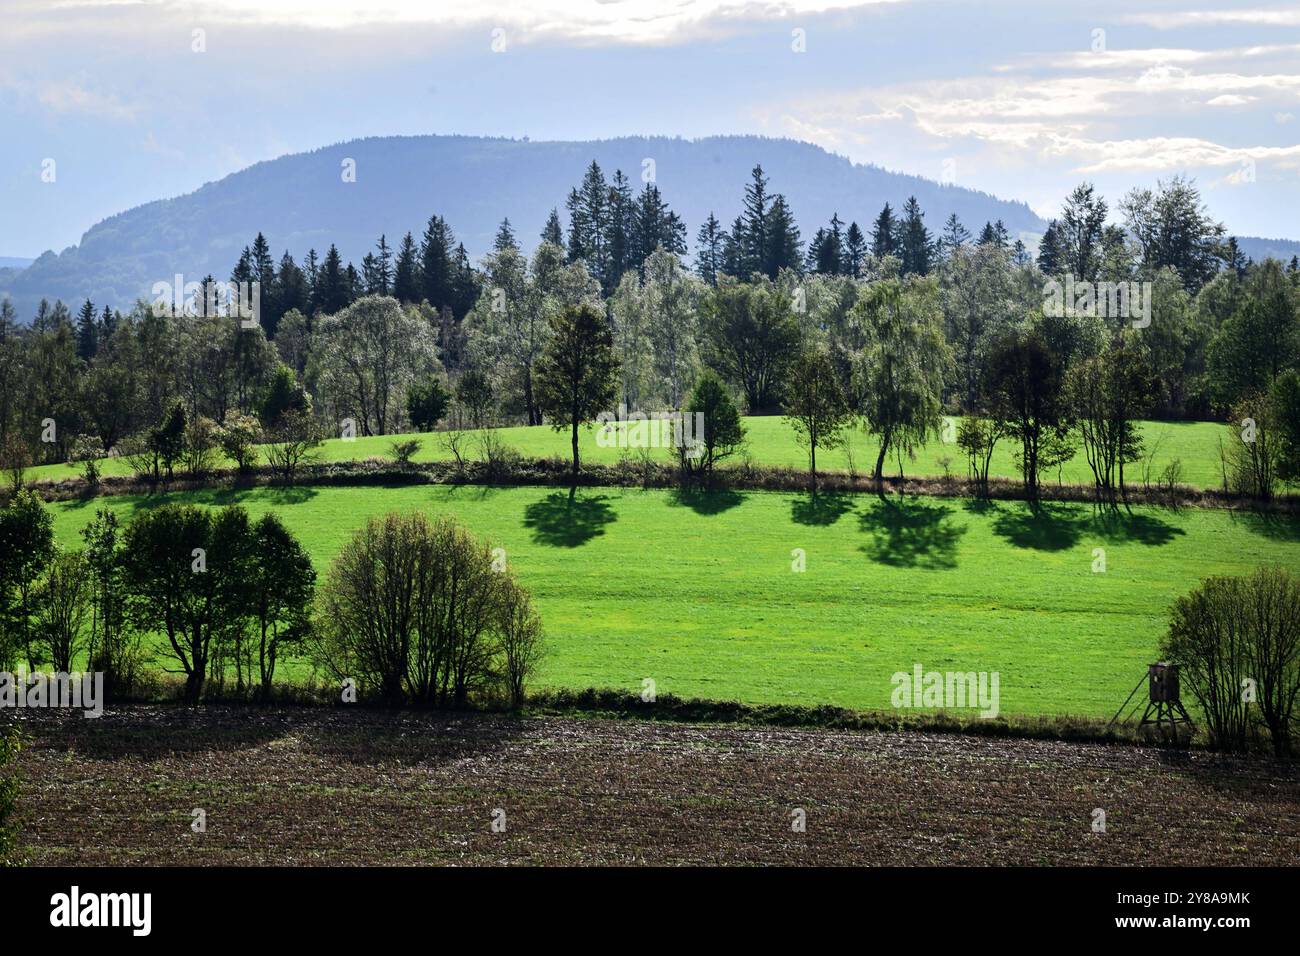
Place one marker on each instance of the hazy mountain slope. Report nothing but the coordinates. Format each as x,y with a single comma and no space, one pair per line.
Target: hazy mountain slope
300,201
1258,249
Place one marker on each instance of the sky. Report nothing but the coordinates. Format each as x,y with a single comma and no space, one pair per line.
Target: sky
106,104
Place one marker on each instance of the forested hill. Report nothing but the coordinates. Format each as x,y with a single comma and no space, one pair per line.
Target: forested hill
302,201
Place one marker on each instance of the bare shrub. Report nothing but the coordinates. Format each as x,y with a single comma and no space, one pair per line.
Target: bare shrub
419,612
1238,643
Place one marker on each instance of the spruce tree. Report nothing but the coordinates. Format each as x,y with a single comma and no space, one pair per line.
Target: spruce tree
708,250
855,251
87,332
435,262
916,245
406,273
884,234
552,232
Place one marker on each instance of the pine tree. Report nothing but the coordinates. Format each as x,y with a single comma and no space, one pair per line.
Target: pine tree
655,225
994,234
708,250
107,325
552,231
916,245
505,239
384,265
1051,255
291,291
406,273
465,284
588,207
263,264
954,235
855,251
87,332
884,234
435,262
311,271
332,293
784,248
753,241
733,258
619,228
826,251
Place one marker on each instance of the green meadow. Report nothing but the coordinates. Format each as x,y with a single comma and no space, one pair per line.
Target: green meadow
700,592
771,441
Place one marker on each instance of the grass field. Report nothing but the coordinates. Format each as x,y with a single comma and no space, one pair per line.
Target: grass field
771,441
697,592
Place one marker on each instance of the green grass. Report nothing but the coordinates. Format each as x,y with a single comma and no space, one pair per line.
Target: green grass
771,441
697,592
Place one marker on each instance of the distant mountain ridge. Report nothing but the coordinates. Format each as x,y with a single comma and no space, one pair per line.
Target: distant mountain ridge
301,201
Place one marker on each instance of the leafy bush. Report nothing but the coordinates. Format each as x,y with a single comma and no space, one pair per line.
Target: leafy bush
420,612
404,450
86,451
1237,641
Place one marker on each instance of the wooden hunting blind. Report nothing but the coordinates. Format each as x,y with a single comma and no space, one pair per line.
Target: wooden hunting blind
1162,680
1164,712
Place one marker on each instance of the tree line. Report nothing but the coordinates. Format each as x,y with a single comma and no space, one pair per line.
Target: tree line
912,325
413,610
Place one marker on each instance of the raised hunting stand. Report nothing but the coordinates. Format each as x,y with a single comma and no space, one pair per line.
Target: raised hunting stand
1164,714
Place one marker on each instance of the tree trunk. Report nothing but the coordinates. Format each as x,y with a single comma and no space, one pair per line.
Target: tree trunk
575,446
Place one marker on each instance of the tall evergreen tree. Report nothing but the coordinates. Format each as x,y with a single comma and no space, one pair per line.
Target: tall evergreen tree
708,250
784,250
884,234
954,236
552,232
291,291
384,265
916,245
505,238
855,250
754,246
588,207
87,332
435,262
619,229
1051,254
333,287
406,272
655,225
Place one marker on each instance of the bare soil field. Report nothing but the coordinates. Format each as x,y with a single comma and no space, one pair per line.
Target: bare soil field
315,786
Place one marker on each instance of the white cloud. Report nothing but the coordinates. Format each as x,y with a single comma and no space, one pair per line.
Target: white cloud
74,96
1202,18
579,21
1230,99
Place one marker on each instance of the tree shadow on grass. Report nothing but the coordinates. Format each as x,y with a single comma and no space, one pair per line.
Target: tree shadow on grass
568,520
275,494
1276,526
1142,528
1057,527
706,501
825,508
1047,527
911,533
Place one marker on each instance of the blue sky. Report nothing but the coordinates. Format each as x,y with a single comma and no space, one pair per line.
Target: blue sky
1020,99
